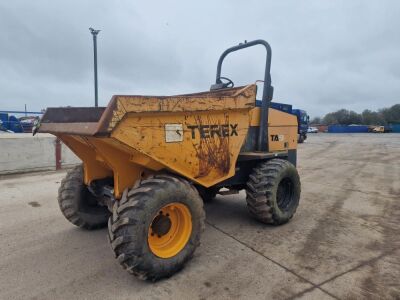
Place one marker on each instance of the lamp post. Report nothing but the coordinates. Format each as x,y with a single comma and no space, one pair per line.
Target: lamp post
94,33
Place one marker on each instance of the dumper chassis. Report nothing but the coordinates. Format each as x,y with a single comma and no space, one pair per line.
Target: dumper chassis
149,163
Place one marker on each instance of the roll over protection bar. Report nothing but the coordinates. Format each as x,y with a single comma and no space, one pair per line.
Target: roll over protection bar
268,90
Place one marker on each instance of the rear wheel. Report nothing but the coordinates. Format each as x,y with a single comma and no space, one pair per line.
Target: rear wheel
273,191
78,205
156,227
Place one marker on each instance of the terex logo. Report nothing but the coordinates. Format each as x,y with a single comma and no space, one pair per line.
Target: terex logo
207,131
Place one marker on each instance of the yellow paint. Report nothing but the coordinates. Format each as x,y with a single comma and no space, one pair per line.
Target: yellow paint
136,147
378,129
118,160
209,101
146,133
94,168
279,123
175,239
105,157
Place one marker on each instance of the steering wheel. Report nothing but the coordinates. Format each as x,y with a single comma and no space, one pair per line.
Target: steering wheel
228,84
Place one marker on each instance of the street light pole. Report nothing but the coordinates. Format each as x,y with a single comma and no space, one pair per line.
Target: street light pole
94,33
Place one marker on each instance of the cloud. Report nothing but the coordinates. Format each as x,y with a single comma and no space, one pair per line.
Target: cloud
326,55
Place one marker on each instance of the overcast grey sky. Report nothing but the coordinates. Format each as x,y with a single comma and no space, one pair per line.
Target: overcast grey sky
326,54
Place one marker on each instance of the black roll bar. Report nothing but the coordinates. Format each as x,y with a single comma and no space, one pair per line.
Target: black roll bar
268,90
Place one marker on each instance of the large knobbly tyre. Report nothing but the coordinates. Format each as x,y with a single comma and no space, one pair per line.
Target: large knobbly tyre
78,205
273,191
156,226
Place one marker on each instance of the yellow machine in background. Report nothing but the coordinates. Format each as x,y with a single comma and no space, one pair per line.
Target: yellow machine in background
149,161
378,129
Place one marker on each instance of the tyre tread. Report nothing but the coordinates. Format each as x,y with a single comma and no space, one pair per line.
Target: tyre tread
260,188
67,199
126,214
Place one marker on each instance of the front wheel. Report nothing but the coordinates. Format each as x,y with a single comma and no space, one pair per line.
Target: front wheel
273,191
156,227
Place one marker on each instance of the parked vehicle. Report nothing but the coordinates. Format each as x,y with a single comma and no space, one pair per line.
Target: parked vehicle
149,161
378,129
10,121
302,120
312,130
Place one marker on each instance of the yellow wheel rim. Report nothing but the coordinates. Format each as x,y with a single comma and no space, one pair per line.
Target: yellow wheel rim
170,230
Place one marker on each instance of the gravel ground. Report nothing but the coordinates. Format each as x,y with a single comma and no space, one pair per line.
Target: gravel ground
343,243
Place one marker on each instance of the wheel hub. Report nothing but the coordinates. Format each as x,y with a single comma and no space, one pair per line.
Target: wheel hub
170,230
161,224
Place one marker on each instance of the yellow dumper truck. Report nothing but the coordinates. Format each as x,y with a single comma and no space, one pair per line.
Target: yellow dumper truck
149,162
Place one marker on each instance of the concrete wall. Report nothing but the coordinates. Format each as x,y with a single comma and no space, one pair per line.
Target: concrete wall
22,152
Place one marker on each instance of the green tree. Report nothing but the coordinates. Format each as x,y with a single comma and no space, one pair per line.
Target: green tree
330,119
383,116
391,114
372,118
342,117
